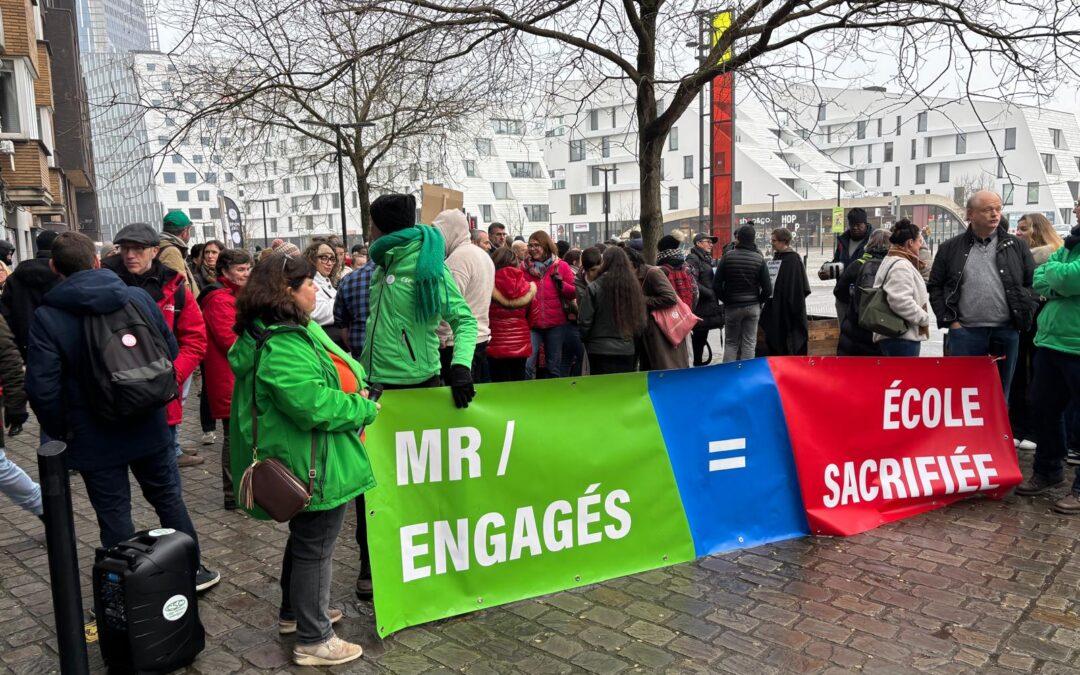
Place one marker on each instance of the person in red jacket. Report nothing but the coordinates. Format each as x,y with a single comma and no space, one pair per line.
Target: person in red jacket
218,303
555,302
137,265
510,344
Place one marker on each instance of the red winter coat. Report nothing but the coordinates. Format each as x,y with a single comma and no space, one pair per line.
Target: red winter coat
508,315
546,310
219,311
190,332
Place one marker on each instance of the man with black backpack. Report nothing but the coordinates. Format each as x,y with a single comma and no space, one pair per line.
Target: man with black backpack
138,265
99,376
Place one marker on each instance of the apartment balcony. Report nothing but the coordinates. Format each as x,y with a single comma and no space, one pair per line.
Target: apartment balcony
43,89
29,183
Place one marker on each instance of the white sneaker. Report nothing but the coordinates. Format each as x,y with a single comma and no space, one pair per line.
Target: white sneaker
1016,443
333,652
1026,445
209,438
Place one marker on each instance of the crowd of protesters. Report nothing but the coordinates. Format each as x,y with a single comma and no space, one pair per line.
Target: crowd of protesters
290,349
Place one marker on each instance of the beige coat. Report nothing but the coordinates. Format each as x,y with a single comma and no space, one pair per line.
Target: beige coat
172,252
473,271
907,296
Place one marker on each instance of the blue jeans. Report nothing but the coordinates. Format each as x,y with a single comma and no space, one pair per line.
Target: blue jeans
899,347
110,495
1003,341
1056,381
19,487
553,340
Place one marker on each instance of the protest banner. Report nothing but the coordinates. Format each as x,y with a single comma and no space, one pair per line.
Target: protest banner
548,485
434,199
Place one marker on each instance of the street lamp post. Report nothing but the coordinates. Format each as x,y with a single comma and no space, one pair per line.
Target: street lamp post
607,199
337,127
266,235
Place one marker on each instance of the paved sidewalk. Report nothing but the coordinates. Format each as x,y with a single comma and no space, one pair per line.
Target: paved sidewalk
980,586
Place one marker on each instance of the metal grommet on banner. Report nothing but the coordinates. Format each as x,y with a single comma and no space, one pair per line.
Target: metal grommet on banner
479,601
371,512
740,540
577,577
664,558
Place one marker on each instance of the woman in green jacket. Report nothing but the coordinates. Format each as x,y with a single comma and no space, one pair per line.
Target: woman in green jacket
307,397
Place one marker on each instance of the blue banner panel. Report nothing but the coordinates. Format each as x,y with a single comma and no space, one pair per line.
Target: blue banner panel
728,443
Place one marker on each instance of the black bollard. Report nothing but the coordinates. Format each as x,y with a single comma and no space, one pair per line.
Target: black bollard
63,560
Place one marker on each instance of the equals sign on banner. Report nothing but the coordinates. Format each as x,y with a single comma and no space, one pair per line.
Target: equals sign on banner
729,462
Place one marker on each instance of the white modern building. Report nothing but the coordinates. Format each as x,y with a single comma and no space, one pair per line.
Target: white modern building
897,146
585,139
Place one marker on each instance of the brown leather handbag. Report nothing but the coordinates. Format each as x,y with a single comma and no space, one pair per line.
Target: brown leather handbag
268,483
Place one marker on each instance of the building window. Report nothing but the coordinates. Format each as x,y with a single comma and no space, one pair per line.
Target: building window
736,193
877,176
1033,193
860,176
1058,138
177,159
577,205
851,155
869,154
943,172
525,170
605,147
673,197
920,174
688,166
169,177
151,67
1010,138
888,152
922,121
285,188
182,196
1000,168
929,143
860,129
828,134
673,139
190,178
215,212
211,177
195,213
508,127
899,124
536,213
821,112
896,175
577,150
961,144
1049,165
470,168
594,120
316,202
485,212
501,190
913,148
273,225
203,195
483,147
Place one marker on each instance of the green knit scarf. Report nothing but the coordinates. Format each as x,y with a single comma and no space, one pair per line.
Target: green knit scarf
430,284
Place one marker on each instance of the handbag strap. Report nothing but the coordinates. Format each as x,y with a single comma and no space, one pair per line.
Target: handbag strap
261,340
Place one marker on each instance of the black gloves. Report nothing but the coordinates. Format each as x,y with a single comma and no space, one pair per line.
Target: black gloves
15,419
461,385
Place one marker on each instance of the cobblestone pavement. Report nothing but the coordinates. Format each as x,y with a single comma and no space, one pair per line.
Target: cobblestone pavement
980,586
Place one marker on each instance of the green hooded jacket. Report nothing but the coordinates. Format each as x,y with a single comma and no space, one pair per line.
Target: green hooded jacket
299,394
398,348
1058,280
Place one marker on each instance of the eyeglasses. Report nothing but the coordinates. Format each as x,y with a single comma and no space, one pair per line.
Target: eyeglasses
327,258
533,244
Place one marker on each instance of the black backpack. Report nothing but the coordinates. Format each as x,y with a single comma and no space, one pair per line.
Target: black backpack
127,371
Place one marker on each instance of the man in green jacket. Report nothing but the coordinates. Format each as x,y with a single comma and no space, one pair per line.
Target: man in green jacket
1056,377
411,292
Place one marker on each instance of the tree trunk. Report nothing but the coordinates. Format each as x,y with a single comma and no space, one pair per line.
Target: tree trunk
650,149
363,193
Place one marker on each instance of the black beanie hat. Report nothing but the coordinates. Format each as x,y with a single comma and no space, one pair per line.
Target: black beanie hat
46,239
393,212
667,242
746,235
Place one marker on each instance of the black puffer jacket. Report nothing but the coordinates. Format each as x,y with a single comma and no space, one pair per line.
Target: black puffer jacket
699,263
742,278
23,292
856,341
841,255
1016,268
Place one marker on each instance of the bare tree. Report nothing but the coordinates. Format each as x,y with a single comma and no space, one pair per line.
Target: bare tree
264,73
643,44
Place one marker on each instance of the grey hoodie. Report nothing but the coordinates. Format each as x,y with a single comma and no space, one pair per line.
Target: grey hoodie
471,268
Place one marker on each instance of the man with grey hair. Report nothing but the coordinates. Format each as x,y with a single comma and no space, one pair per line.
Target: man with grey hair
480,238
980,287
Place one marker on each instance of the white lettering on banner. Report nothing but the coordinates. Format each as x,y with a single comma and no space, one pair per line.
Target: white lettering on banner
907,479
423,462
427,547
930,408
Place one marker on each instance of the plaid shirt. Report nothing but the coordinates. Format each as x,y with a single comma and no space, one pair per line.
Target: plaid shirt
351,306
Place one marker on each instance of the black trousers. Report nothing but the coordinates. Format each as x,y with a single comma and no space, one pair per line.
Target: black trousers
608,364
507,370
361,522
480,372
699,337
205,418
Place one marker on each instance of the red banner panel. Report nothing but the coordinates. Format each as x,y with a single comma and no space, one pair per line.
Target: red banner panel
722,161
877,440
